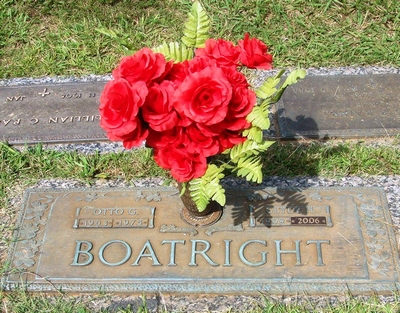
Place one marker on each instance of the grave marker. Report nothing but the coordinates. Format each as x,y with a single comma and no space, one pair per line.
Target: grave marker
341,106
316,107
51,113
280,241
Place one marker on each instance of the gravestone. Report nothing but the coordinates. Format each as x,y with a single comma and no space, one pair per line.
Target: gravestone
316,107
341,106
280,241
54,113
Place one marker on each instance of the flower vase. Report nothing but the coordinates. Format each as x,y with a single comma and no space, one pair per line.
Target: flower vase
191,215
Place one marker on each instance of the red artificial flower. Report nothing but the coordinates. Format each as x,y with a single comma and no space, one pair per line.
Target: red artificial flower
242,103
228,139
169,138
183,165
158,110
178,72
236,78
201,143
254,53
223,51
119,107
144,65
199,63
135,138
204,96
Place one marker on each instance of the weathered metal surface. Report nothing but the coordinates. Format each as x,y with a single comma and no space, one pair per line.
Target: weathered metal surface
51,113
316,240
341,106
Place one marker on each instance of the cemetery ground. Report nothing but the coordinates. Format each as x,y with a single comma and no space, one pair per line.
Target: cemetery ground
44,37
24,167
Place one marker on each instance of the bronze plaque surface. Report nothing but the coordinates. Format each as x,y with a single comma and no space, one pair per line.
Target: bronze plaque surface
341,106
316,240
51,113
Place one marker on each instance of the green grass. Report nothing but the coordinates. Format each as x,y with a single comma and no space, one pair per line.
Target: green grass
20,302
307,159
57,37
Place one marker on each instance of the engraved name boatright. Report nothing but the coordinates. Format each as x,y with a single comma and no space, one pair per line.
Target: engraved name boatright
316,240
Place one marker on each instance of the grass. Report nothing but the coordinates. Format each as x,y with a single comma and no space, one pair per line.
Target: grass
307,159
57,37
23,302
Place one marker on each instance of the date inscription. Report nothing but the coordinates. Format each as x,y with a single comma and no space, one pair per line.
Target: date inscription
307,221
297,221
277,216
113,223
91,217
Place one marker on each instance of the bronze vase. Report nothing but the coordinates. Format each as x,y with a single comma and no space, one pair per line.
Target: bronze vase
191,215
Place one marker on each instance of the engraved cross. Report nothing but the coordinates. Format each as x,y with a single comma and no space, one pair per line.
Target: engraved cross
44,92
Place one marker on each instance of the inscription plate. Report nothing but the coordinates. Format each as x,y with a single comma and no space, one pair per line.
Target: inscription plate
316,107
329,240
51,113
341,106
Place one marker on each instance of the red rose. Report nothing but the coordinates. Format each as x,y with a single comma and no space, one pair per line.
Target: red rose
199,63
158,110
243,101
169,138
204,96
201,143
183,165
178,72
119,107
228,139
254,53
236,78
144,65
223,51
133,139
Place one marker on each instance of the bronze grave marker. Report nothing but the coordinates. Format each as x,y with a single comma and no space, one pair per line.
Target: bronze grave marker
316,240
51,113
341,106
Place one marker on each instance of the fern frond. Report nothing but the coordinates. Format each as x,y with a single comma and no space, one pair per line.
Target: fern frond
292,78
250,168
196,27
259,116
248,148
208,187
254,133
174,51
269,87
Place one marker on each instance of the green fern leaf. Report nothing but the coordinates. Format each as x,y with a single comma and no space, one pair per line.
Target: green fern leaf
250,168
292,78
269,87
196,27
247,149
259,116
174,51
254,133
208,187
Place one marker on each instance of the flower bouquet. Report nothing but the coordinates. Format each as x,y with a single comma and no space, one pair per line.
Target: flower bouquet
189,102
